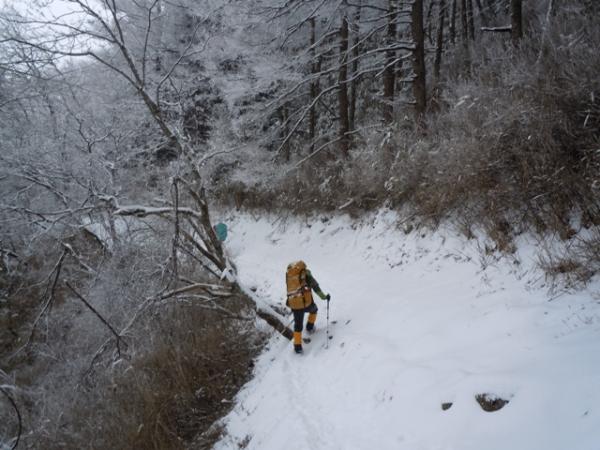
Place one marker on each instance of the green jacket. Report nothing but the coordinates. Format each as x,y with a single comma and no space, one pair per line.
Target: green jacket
314,285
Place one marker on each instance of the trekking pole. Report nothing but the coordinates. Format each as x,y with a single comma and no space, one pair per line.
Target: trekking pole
327,342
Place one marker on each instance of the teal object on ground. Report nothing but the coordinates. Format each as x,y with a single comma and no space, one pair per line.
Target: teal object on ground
221,231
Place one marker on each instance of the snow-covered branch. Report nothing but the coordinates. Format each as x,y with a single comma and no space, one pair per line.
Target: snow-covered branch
145,211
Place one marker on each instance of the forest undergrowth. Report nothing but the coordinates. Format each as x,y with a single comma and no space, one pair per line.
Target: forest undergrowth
511,144
173,371
121,323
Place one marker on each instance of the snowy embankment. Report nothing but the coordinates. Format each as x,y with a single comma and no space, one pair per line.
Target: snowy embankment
422,319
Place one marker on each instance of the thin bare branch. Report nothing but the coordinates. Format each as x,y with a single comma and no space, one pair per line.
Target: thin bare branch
97,314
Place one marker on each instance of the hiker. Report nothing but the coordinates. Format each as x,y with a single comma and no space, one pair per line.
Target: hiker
300,284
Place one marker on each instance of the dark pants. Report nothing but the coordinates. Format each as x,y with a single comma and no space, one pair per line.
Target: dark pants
299,317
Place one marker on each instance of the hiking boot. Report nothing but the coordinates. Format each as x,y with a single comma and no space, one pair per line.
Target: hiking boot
310,328
298,349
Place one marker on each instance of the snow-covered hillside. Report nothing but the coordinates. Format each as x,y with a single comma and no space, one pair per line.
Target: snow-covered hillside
422,319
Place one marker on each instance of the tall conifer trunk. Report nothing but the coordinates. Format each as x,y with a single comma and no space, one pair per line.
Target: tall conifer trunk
355,80
516,21
453,23
470,19
439,41
344,139
314,86
419,83
389,72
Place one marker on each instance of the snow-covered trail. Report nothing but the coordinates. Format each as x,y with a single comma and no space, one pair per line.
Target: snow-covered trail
419,323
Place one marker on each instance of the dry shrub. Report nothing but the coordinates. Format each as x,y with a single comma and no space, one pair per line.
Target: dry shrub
182,365
517,145
24,290
320,184
511,145
514,141
573,263
187,365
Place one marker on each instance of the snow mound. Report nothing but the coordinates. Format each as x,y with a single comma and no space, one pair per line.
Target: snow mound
422,320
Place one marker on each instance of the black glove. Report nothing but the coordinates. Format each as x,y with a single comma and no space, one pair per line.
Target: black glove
328,297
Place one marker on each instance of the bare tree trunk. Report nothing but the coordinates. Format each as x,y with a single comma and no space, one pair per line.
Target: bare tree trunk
284,120
343,90
275,322
419,82
453,23
464,24
158,44
355,54
470,19
389,71
550,14
160,120
314,87
465,34
440,41
516,21
427,20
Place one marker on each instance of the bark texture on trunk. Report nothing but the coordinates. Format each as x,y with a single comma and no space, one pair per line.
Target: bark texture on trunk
464,26
439,41
389,73
465,35
470,19
453,23
355,54
419,83
344,139
516,21
285,151
314,87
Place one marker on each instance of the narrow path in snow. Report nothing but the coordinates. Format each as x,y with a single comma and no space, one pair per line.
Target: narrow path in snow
419,323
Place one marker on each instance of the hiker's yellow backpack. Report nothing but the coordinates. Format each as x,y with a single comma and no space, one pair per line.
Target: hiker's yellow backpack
299,295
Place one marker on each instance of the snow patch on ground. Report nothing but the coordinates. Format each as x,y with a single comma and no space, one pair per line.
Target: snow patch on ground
422,319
